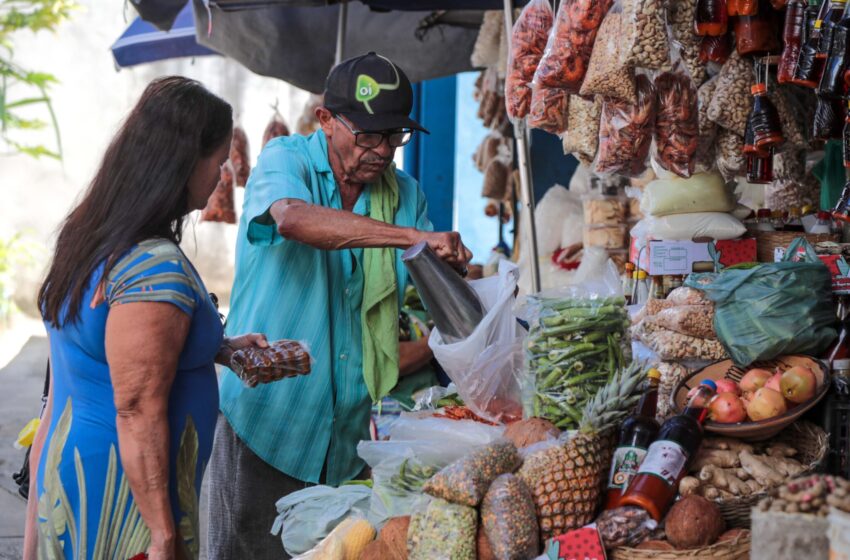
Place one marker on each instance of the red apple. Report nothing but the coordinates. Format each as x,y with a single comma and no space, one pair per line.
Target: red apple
773,382
754,380
727,408
727,386
798,384
766,403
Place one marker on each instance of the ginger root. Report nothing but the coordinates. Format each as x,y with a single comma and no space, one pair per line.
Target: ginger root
769,471
724,479
727,444
689,485
725,458
779,449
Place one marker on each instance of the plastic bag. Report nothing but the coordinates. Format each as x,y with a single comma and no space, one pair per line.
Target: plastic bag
339,545
644,35
686,227
731,103
681,16
676,123
704,192
692,320
577,339
606,237
606,75
772,309
549,109
484,366
466,480
624,526
684,295
283,358
731,161
707,128
485,53
509,519
220,204
582,135
603,210
307,516
440,530
570,44
528,41
625,132
276,128
239,157
671,345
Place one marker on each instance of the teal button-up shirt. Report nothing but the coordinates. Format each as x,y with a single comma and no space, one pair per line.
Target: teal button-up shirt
310,424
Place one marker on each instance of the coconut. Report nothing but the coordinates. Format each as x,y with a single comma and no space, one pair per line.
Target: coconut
530,431
394,535
376,550
693,522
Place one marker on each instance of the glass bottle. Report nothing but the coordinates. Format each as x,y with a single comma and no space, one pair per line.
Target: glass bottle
792,39
777,219
636,435
763,222
832,82
823,225
628,282
656,290
795,222
809,68
668,458
712,18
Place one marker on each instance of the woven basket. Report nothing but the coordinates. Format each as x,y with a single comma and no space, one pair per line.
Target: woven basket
767,241
809,440
736,549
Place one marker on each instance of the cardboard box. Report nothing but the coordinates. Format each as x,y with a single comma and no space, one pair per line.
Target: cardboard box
679,257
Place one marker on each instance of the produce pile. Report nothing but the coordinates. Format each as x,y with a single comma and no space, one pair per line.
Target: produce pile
575,346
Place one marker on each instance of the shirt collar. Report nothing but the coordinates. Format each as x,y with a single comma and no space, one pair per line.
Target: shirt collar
318,149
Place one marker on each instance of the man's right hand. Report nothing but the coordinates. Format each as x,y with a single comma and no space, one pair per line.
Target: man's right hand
447,245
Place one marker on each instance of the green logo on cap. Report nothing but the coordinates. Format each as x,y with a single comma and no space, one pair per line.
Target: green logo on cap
368,87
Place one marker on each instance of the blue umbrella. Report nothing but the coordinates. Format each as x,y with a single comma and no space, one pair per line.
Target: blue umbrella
142,42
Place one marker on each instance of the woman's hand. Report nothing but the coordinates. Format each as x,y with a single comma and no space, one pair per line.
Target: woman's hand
232,344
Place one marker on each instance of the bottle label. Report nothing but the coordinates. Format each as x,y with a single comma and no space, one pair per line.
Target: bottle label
665,459
625,465
841,364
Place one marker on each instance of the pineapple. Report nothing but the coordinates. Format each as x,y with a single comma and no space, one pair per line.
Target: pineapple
567,479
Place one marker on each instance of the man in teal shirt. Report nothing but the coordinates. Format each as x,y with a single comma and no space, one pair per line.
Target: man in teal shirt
318,259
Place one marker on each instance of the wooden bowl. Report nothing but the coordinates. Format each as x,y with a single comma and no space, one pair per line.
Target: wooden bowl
763,429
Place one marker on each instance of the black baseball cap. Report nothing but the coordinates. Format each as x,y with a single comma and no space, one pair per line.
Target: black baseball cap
371,92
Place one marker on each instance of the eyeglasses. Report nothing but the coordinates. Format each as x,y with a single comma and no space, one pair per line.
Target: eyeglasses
371,140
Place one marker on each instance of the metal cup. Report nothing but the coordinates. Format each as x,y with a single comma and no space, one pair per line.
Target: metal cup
453,304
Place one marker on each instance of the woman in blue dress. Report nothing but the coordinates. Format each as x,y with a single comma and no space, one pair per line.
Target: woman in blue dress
134,338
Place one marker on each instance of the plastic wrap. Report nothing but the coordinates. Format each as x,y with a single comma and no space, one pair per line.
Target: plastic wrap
606,74
220,207
704,192
692,320
625,132
730,154
715,49
687,296
570,45
671,345
582,135
549,109
676,123
686,227
790,117
240,157
440,530
509,518
528,40
466,480
644,35
682,14
577,339
283,358
731,102
706,149
624,526
604,210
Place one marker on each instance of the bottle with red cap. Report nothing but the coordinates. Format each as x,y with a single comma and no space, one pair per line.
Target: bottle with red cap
669,457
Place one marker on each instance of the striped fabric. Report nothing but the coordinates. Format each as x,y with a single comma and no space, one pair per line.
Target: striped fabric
154,270
304,425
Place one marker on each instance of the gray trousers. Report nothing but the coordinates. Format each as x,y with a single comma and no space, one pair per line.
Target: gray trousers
243,490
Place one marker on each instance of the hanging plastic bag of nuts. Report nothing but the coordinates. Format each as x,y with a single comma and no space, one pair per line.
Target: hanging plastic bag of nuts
644,34
625,132
528,41
582,136
606,75
549,109
677,123
466,481
731,161
706,153
240,157
730,106
440,530
682,14
220,204
570,44
790,114
509,518
283,358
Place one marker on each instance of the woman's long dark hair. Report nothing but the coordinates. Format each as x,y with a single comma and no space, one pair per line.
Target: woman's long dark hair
140,190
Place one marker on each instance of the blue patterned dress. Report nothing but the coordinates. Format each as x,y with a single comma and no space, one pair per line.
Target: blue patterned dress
85,507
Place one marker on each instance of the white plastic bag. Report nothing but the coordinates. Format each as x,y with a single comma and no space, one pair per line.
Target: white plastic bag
484,365
703,192
685,227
